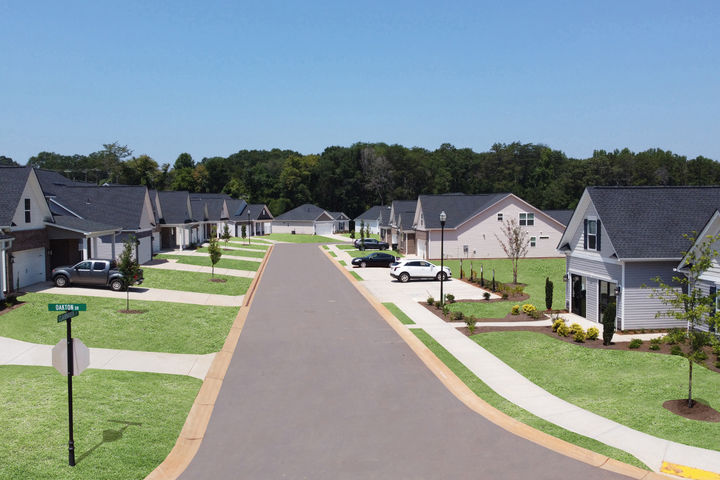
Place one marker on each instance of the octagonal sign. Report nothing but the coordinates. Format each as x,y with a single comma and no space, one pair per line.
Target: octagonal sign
81,357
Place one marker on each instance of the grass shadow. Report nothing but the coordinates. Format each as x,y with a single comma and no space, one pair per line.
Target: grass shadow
109,435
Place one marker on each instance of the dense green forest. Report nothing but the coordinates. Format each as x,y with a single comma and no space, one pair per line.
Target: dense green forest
354,178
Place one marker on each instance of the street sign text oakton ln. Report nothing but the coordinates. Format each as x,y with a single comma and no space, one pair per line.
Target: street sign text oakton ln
67,307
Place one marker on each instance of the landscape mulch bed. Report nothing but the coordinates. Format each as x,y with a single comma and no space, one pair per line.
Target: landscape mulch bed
699,410
217,280
645,347
521,317
11,307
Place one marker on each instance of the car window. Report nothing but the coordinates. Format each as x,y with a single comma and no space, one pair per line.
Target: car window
84,266
425,264
413,264
98,266
374,255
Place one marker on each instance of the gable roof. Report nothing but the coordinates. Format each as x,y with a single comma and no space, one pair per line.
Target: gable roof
458,208
373,213
236,209
304,212
649,222
124,205
81,225
399,206
12,185
257,210
339,216
174,206
562,216
50,180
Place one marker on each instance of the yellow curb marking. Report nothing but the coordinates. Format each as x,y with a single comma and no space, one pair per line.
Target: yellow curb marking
688,472
192,433
458,388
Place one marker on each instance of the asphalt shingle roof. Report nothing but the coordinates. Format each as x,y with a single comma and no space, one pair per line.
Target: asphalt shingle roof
649,222
12,184
374,213
562,216
400,206
256,210
83,225
458,208
304,212
123,204
236,209
174,207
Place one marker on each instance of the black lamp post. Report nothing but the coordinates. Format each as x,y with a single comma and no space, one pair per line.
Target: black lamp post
248,226
443,217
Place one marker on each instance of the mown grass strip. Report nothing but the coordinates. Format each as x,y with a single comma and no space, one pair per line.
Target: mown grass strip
342,262
199,282
509,408
357,277
399,314
333,254
247,265
237,253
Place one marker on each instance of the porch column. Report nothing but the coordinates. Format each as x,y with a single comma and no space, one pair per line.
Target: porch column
112,248
86,245
3,271
182,238
94,249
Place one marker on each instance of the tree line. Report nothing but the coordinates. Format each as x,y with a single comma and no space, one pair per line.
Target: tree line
351,179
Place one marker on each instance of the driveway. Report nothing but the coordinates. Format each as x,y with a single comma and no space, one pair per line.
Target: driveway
321,387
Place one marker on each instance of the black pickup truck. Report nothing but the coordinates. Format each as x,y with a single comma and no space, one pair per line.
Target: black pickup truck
93,272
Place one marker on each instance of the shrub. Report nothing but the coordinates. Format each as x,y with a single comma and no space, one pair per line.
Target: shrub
449,298
593,333
674,336
580,336
515,310
528,308
445,310
655,343
430,301
486,295
458,316
635,343
505,295
717,364
716,350
470,322
548,293
575,327
556,324
563,330
701,356
608,321
676,350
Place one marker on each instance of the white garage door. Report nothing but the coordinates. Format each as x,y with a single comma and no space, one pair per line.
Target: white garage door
421,248
324,228
29,267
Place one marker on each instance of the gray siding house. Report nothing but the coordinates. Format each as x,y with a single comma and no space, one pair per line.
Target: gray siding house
620,239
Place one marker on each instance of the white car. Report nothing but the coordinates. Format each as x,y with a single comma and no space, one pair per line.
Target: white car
407,270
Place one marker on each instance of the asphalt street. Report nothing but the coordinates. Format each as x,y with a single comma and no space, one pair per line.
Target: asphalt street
320,387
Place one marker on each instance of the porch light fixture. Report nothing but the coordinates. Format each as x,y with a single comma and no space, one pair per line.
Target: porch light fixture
617,290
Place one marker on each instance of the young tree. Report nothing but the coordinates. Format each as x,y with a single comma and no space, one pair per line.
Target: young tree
226,234
548,293
688,302
128,266
608,321
243,230
362,234
515,243
214,251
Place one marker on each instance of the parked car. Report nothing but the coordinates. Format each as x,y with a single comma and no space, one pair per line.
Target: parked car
407,270
371,244
93,272
375,259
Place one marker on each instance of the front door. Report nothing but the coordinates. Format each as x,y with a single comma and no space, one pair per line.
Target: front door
578,295
607,295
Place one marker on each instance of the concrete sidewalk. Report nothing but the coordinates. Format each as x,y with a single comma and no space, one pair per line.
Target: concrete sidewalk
141,293
172,264
17,352
519,390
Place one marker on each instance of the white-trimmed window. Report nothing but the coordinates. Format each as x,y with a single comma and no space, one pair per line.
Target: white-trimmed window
533,241
527,219
500,217
27,210
592,234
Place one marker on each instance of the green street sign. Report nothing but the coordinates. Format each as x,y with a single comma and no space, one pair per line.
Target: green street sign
67,307
67,315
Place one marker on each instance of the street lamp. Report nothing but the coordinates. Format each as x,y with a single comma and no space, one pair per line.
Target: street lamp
248,226
443,217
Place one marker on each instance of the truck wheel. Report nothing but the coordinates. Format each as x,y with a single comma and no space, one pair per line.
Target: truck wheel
116,285
61,281
404,277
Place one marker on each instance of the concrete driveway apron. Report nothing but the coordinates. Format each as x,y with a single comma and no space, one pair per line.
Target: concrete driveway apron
321,387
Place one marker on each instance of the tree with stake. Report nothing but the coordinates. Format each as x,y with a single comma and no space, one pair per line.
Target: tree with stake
515,243
214,251
548,293
226,234
687,300
362,234
243,231
128,267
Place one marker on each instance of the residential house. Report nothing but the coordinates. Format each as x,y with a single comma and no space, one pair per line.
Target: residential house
178,227
620,239
260,219
23,236
474,226
372,218
395,235
342,222
307,219
211,210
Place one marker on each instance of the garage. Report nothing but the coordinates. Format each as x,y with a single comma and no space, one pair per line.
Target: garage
324,228
28,267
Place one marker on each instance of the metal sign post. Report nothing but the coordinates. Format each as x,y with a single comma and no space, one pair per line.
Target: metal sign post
71,310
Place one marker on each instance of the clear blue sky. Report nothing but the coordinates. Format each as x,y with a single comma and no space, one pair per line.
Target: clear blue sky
212,78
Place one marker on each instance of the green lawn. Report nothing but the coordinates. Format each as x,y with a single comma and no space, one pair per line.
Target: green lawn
163,327
627,387
253,240
333,254
356,276
346,247
252,246
531,271
237,253
509,408
300,238
194,282
125,423
399,314
357,235
247,265
342,262
359,253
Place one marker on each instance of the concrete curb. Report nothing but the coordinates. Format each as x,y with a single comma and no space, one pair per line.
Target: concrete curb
193,431
458,388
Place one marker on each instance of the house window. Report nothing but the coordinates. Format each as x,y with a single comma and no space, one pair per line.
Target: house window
527,219
27,210
500,218
592,234
533,241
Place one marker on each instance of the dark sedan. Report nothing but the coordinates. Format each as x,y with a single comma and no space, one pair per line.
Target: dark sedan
376,259
371,244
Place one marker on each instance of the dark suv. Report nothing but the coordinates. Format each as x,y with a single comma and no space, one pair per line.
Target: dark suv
371,244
